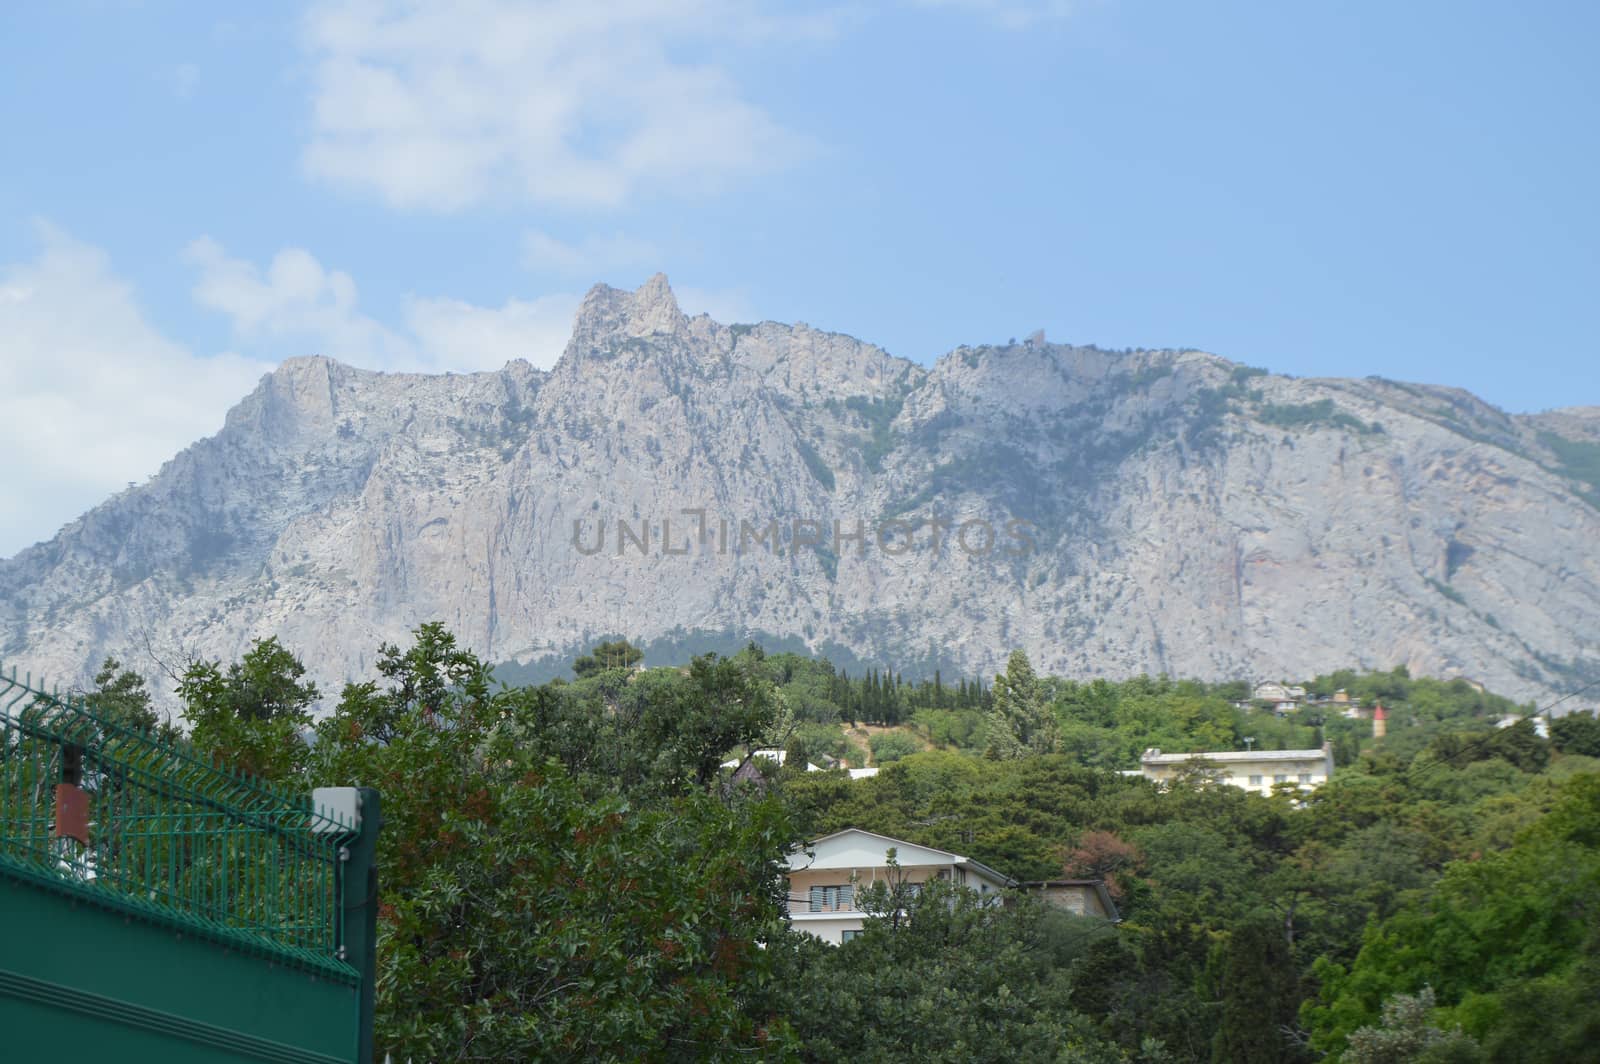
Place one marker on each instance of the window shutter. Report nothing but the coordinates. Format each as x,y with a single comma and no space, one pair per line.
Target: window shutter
816,899
846,897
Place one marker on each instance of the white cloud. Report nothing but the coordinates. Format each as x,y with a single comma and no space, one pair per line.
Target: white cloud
441,106
462,336
589,257
96,397
295,300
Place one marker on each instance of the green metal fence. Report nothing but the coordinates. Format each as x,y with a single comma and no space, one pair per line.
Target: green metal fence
97,807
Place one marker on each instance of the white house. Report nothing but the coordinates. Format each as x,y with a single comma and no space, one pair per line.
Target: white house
776,756
827,875
1252,770
1285,698
1541,725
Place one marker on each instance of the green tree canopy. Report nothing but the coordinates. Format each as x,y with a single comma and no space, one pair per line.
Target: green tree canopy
616,654
1020,722
250,715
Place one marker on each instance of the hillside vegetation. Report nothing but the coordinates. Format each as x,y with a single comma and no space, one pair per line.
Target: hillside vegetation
568,871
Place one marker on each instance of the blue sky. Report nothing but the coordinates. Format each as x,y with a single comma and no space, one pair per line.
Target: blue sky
191,193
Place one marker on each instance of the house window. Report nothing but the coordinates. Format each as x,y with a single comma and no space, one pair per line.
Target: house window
1305,777
1280,778
832,899
1255,781
846,936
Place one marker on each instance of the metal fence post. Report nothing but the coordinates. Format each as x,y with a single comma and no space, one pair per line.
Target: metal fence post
361,915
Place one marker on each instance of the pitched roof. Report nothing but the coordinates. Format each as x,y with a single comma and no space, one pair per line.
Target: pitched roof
1097,885
902,844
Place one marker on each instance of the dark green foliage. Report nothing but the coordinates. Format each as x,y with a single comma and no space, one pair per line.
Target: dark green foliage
1576,733
1296,415
1489,928
1211,405
1021,723
949,978
563,877
814,691
1306,415
1257,986
120,695
570,874
878,414
251,715
617,654
814,463
1579,459
1518,745
1142,378
892,746
816,743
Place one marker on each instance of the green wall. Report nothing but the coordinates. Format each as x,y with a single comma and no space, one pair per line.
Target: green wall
80,980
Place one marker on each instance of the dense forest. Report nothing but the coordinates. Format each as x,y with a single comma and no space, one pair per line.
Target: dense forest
569,871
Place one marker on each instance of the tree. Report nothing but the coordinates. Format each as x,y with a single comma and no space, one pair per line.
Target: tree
1489,927
120,695
428,684
1407,1037
547,925
250,717
1020,722
617,654
891,746
562,878
1576,733
1101,855
1257,987
943,975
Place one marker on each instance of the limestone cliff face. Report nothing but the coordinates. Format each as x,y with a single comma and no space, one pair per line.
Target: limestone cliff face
1160,511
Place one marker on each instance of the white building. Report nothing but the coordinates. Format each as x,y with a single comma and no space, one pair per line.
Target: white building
1280,694
773,754
1541,725
1251,770
826,878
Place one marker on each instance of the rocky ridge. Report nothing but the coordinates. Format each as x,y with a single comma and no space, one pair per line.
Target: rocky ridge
1150,511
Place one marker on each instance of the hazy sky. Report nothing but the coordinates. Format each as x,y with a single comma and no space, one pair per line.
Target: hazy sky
190,193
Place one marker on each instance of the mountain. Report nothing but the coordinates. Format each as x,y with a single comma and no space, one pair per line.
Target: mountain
1151,511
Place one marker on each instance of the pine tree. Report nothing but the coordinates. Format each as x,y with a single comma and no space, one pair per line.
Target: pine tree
1021,721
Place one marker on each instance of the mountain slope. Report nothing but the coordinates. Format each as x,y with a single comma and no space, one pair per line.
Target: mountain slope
1182,514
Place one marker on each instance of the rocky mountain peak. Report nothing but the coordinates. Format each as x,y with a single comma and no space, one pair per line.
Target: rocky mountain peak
609,317
1190,516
